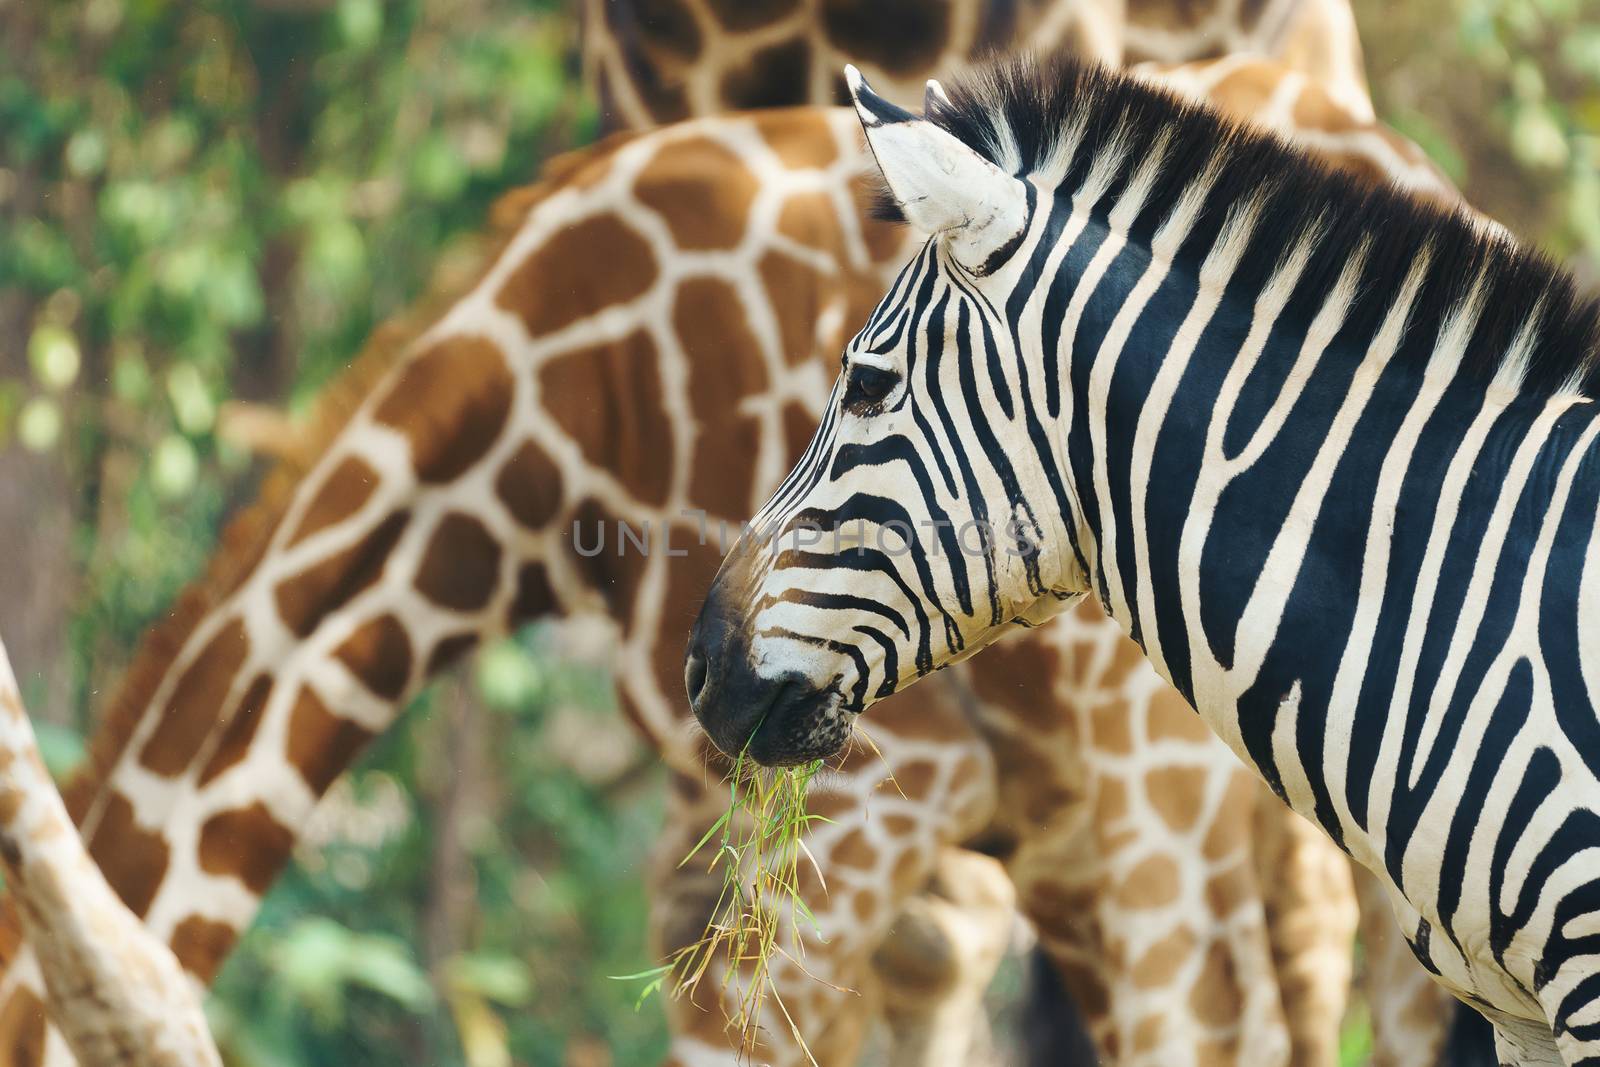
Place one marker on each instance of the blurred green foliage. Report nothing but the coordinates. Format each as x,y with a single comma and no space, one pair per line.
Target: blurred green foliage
211,201
555,851
1505,96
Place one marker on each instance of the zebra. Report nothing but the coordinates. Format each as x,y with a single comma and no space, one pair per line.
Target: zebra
1329,454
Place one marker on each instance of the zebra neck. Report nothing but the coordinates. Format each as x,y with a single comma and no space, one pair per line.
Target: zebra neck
1311,536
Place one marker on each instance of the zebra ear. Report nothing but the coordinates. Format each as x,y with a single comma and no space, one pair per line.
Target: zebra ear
941,185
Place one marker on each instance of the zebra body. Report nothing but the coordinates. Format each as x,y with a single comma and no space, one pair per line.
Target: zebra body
1329,455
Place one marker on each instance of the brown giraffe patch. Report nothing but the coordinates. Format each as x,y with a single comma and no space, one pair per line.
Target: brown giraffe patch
701,214
1215,995
904,37
911,869
324,587
449,650
799,427
1149,1032
1061,907
767,79
1184,14
201,945
1223,1052
933,717
22,1028
801,138
896,824
1246,90
853,850
535,596
451,403
191,711
461,565
795,292
608,400
1250,12
608,561
595,263
1019,675
741,15
709,319
1162,960
530,485
1154,883
916,779
1231,887
321,744
688,578
133,859
340,495
832,805
1110,802
379,653
246,843
1177,793
809,219
1110,729
1127,658
241,729
665,24
1230,830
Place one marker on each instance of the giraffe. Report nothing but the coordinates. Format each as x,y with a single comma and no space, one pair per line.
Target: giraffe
116,992
657,61
444,477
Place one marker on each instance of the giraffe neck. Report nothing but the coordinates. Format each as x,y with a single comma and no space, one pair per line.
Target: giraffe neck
523,455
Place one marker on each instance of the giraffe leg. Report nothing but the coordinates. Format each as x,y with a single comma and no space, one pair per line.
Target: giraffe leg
1132,850
1410,1012
939,958
1311,923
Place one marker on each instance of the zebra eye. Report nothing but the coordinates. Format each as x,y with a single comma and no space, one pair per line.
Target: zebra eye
867,386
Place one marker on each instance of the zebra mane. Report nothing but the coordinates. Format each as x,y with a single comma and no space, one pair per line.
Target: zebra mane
1063,122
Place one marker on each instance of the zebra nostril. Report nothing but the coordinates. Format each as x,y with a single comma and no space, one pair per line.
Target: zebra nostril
694,677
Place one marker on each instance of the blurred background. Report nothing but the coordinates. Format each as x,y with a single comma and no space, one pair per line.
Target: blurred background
205,207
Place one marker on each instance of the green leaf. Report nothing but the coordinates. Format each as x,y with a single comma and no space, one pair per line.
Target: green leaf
1537,139
85,154
173,466
53,354
437,170
508,677
360,23
39,424
130,375
384,965
191,401
492,976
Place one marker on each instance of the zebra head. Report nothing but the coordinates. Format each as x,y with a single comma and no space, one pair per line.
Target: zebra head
922,520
